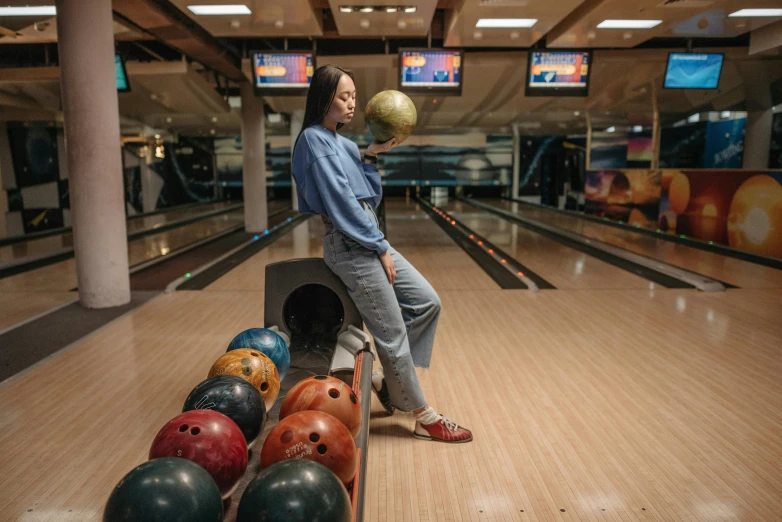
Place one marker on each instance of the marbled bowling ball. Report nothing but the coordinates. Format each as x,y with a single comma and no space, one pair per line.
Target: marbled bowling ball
163,490
235,398
312,435
268,343
208,438
326,394
295,491
255,368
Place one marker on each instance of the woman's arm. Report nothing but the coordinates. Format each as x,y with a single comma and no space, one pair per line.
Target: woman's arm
342,206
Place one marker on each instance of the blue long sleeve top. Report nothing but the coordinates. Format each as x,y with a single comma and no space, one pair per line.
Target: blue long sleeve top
331,179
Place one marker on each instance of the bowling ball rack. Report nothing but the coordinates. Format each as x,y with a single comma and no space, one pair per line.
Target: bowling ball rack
348,357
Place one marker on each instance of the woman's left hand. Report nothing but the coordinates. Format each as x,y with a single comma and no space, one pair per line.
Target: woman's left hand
376,147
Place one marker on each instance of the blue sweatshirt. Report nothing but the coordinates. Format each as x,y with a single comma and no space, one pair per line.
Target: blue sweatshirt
331,179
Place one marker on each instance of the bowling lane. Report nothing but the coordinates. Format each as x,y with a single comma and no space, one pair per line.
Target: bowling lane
422,242
730,270
61,277
302,241
410,231
562,266
53,244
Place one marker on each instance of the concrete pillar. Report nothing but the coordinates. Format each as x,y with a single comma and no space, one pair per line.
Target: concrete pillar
514,188
256,218
85,30
297,120
757,139
589,141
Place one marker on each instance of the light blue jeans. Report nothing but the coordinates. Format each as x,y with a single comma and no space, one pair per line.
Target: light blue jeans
402,319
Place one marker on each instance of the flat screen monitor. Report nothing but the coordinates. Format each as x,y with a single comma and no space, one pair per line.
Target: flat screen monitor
123,85
431,71
693,70
559,73
282,73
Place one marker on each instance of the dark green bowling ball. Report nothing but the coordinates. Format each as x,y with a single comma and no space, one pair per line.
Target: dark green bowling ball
295,490
165,490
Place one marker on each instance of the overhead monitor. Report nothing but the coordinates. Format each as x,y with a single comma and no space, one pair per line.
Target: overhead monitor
559,73
123,84
282,73
693,70
431,71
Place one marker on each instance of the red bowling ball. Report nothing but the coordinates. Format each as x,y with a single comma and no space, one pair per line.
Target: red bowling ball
208,438
316,436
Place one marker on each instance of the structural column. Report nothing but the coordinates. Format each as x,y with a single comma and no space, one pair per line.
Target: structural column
757,139
514,188
85,31
256,218
297,120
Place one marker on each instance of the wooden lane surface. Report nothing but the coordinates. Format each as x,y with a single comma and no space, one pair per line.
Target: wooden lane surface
61,276
733,271
652,407
431,251
63,241
562,266
16,307
414,235
662,406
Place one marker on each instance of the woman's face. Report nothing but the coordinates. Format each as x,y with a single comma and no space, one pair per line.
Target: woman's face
344,104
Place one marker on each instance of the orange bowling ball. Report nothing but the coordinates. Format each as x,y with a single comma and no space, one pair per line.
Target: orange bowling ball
254,367
326,394
316,436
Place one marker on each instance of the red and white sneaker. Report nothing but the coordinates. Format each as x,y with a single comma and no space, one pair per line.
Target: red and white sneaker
444,430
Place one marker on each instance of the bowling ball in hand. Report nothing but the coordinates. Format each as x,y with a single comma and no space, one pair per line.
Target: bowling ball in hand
316,436
391,114
326,394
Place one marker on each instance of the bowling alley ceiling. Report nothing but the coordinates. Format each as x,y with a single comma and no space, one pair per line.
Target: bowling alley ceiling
626,81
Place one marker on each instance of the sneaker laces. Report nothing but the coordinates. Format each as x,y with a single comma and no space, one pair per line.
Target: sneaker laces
449,424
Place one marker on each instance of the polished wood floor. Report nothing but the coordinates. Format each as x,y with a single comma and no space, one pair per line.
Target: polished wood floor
600,404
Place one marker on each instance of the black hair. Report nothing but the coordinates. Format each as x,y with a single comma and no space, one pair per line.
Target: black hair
321,93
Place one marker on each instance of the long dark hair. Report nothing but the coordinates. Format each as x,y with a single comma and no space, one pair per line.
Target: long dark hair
320,95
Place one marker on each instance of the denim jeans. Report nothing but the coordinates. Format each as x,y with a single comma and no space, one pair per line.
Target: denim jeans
402,319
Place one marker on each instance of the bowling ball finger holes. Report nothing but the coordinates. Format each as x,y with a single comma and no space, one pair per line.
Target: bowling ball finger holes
334,393
264,386
195,431
322,449
320,377
183,428
353,398
314,437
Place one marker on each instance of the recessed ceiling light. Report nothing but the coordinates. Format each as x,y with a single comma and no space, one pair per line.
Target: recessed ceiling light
611,129
401,24
410,9
168,119
629,24
214,119
345,9
40,10
391,9
229,9
212,131
757,12
477,35
514,35
576,113
367,9
505,22
638,128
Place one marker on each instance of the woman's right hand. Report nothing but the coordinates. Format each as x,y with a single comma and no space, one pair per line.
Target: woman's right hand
388,265
376,146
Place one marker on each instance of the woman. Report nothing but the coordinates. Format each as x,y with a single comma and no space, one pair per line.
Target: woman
335,182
